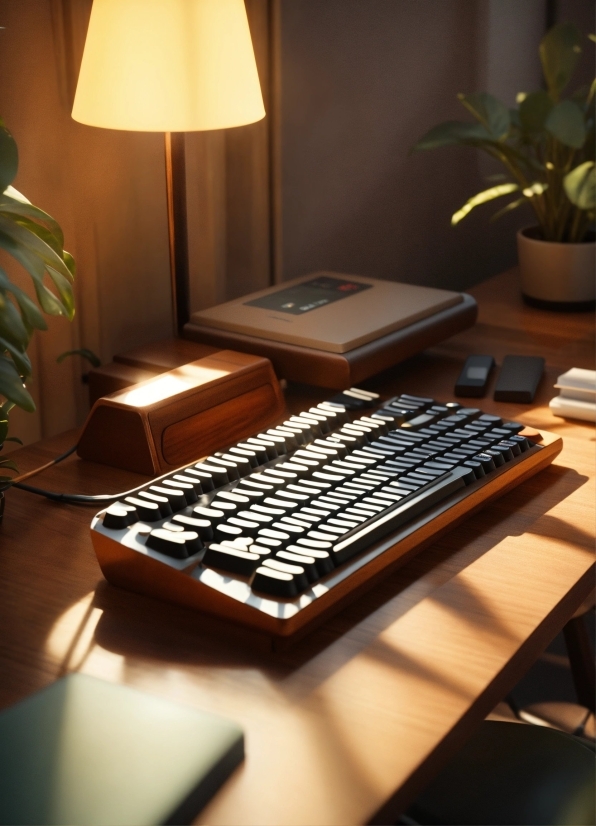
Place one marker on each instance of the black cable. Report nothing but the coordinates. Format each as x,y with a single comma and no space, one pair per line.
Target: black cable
71,498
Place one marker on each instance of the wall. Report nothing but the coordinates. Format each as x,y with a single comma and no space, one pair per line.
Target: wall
107,190
361,82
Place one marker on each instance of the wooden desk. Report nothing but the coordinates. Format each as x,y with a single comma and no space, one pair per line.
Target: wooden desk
347,726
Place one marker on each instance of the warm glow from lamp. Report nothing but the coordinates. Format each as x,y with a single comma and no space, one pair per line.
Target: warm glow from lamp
168,66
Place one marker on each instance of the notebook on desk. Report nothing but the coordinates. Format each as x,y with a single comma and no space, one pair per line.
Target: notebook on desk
87,751
328,311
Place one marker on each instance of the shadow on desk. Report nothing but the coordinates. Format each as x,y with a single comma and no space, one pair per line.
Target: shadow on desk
137,627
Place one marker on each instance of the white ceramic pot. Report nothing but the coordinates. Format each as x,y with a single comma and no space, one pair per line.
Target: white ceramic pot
556,276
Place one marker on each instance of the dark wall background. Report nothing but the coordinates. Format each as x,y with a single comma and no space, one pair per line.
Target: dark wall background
362,80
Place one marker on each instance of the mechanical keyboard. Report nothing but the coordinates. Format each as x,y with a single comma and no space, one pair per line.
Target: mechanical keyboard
280,529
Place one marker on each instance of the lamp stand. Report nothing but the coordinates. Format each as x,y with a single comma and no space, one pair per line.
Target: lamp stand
177,227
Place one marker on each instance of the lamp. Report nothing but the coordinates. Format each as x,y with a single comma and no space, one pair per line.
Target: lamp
170,66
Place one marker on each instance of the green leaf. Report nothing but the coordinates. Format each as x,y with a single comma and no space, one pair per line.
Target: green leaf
8,463
70,263
14,204
13,439
490,112
450,133
580,185
20,358
560,51
38,229
65,290
482,198
509,208
565,122
12,387
25,238
3,430
84,352
29,311
534,110
12,327
50,303
9,158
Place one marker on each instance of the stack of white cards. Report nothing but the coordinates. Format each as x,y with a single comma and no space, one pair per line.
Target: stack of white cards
577,395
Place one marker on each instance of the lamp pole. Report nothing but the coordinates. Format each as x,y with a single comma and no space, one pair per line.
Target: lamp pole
177,227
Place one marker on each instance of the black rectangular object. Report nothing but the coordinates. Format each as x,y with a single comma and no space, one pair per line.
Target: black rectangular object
519,379
473,379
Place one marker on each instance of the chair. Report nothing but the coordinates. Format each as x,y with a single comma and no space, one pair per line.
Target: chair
512,773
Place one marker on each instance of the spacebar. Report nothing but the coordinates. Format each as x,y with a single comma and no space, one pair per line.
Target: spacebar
376,529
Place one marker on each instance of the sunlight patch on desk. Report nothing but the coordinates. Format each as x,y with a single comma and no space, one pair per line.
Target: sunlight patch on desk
71,641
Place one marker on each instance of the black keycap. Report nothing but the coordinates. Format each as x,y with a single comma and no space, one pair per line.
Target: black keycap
322,559
175,497
277,439
234,496
230,559
119,516
487,462
259,450
497,456
254,516
148,511
274,583
189,479
297,571
245,453
214,515
492,420
207,480
174,544
201,526
263,443
242,463
190,494
276,481
306,562
252,484
219,474
248,527
226,531
476,467
505,451
521,441
231,468
165,509
276,513
513,446
513,427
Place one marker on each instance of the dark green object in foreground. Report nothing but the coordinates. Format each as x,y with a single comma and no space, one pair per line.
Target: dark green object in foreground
512,773
84,751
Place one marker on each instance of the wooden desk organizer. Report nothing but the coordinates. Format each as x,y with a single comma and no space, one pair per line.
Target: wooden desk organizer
182,415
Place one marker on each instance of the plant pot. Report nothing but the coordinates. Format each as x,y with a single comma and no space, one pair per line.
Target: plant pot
556,276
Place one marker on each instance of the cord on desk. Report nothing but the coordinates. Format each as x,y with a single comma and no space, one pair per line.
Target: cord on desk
70,498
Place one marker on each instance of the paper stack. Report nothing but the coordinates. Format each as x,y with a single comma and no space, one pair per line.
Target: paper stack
577,395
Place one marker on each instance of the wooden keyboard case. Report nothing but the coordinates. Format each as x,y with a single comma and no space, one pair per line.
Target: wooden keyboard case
284,620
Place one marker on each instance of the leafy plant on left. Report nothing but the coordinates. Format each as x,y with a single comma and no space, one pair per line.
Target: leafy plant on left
35,240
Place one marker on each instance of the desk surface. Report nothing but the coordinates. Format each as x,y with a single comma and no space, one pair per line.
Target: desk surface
348,725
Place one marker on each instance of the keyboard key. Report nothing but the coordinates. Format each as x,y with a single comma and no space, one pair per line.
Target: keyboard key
189,490
218,473
306,562
147,511
322,559
178,545
201,526
235,561
274,583
162,502
297,571
120,516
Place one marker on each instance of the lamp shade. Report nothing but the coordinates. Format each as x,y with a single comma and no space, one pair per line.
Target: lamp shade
168,66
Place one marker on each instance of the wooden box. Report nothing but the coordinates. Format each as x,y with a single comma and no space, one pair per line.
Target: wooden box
183,414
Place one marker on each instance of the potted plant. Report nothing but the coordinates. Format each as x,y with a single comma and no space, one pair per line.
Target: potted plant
34,239
546,146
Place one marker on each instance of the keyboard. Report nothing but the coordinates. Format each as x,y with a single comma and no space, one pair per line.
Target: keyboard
282,528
